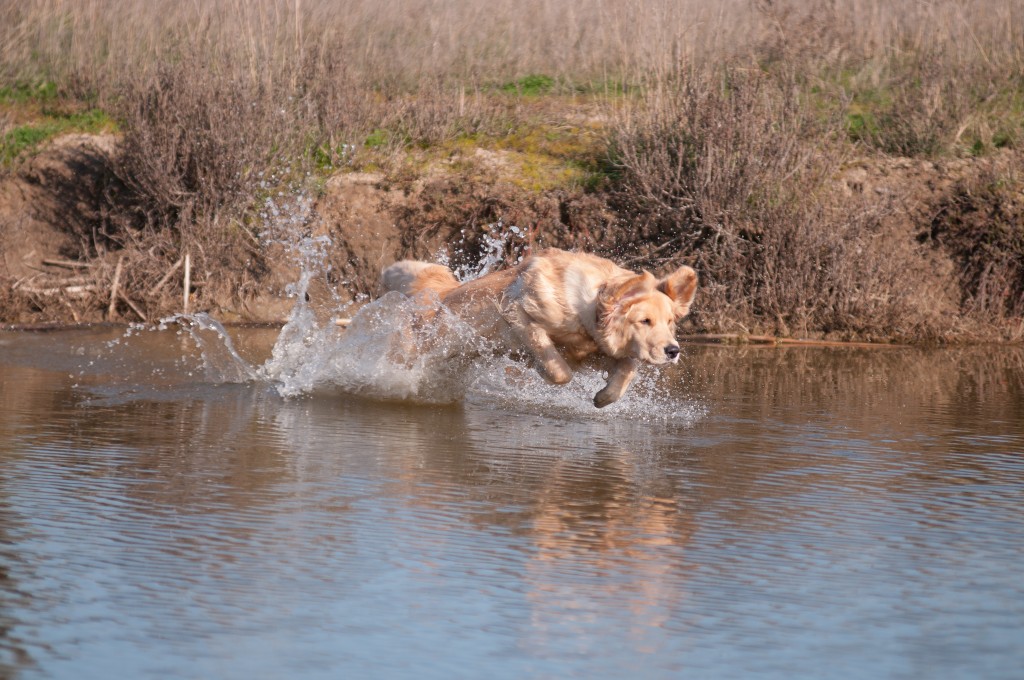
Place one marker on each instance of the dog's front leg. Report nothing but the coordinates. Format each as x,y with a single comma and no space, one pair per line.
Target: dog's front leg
619,378
550,362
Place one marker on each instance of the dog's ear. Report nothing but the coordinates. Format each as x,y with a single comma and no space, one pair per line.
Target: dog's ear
681,287
616,296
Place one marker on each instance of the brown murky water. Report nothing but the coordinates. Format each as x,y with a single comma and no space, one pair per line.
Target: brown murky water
766,512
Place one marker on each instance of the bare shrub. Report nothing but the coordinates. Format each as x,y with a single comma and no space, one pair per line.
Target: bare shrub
982,227
196,141
732,172
200,145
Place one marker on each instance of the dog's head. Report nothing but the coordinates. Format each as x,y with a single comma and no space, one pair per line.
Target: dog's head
637,315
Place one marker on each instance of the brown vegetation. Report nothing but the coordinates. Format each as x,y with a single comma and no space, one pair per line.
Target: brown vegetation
842,170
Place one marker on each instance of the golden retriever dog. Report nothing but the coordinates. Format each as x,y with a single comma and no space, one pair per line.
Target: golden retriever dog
563,307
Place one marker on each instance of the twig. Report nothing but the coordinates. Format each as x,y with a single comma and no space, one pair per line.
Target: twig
188,280
74,280
166,277
67,264
135,309
112,307
70,291
74,314
25,279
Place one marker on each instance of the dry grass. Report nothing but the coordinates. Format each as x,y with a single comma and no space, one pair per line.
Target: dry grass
726,124
97,44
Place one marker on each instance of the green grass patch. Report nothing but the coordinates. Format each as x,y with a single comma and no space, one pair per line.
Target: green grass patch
377,139
327,158
608,87
25,93
530,86
863,117
903,107
861,126
28,137
998,123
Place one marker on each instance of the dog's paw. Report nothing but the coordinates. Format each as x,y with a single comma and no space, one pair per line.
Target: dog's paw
556,373
605,397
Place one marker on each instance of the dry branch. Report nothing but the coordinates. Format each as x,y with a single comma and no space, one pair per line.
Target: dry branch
113,288
188,282
67,264
133,307
70,291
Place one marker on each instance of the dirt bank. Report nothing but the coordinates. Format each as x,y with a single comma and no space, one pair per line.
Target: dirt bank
59,261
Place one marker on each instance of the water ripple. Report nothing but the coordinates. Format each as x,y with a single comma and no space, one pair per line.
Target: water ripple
221,530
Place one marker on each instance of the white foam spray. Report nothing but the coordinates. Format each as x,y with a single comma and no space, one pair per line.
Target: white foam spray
495,240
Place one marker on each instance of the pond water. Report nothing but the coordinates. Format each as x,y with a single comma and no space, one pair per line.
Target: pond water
175,505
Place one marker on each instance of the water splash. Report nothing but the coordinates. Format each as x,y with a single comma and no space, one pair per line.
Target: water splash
392,349
495,240
220,360
376,355
382,355
395,349
511,385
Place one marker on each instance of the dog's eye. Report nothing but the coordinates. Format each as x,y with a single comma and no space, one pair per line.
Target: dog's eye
646,322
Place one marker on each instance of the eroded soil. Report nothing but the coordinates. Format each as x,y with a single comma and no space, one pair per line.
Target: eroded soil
57,265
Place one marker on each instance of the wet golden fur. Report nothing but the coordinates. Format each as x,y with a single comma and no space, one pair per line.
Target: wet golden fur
558,305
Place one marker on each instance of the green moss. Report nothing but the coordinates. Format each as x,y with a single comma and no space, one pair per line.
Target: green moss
326,158
563,142
536,157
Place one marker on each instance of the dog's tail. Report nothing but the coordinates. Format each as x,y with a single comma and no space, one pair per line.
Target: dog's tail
418,278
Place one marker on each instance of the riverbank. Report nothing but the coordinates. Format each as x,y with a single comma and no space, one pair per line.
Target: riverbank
457,208
454,208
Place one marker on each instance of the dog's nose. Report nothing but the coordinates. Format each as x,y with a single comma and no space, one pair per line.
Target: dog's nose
672,351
